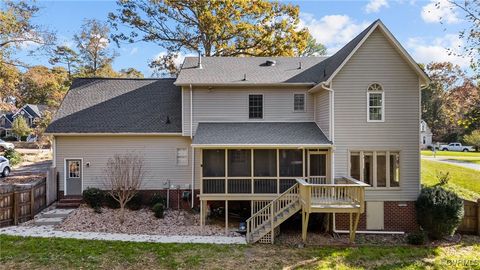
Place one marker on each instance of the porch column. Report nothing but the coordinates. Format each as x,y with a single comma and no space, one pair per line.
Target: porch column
203,213
226,217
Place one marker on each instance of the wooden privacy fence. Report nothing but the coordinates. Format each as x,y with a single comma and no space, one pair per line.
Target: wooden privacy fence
21,202
471,219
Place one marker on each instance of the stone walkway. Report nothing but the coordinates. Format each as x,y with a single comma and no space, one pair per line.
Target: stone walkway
49,231
52,217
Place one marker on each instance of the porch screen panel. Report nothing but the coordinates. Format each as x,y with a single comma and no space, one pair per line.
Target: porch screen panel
239,163
291,163
213,163
318,165
265,162
381,170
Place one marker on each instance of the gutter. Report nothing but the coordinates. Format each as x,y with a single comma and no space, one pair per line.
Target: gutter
237,84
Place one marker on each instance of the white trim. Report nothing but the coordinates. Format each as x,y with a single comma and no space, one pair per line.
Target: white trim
307,84
183,115
6,118
304,102
394,42
260,145
193,176
368,103
191,112
248,107
114,134
23,109
176,156
65,174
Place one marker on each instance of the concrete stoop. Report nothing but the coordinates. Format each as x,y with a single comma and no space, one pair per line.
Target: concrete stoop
52,217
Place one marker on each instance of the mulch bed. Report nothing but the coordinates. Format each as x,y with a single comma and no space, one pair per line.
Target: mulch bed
22,179
174,222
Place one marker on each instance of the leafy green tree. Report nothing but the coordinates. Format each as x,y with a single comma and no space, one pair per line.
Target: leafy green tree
212,28
473,139
93,46
67,56
20,127
313,48
130,73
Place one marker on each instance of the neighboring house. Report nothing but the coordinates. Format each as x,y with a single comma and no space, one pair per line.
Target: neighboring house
30,112
245,129
425,135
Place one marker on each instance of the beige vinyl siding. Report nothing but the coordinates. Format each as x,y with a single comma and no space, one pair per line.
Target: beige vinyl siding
378,61
186,111
159,153
231,105
322,111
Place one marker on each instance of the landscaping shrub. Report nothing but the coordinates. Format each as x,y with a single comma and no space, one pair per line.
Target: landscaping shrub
111,202
93,197
443,177
158,210
158,198
417,238
439,212
13,156
135,203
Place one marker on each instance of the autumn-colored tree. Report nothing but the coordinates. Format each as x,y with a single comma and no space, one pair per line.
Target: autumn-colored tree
470,12
130,73
20,127
313,48
66,56
17,30
473,139
41,85
92,43
41,125
212,28
9,80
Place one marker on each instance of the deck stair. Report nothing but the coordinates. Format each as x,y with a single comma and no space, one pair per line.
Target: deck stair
342,195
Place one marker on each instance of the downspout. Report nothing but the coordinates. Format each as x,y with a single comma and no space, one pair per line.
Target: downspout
193,149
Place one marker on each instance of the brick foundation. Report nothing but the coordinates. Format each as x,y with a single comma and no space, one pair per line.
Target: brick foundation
175,197
398,216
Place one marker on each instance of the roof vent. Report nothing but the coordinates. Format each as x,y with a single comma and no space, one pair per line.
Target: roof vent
270,63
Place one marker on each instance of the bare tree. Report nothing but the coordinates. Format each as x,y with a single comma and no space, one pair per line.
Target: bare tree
123,178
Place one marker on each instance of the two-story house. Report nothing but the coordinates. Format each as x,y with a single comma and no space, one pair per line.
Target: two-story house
30,112
286,134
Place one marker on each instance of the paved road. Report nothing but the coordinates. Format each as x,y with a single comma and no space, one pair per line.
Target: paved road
460,163
34,168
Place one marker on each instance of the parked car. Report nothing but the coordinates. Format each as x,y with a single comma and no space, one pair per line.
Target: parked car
456,147
31,138
6,145
4,167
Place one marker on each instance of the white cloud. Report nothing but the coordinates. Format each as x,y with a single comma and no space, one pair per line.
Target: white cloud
133,51
437,50
333,31
374,6
440,10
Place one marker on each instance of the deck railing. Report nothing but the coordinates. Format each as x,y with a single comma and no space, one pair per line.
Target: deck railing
341,191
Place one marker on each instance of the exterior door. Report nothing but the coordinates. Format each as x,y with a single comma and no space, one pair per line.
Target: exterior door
317,167
73,177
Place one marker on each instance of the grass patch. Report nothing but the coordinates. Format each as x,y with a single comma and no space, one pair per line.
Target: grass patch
47,253
465,182
473,157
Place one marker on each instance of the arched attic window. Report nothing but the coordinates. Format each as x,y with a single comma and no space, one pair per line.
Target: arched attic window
375,103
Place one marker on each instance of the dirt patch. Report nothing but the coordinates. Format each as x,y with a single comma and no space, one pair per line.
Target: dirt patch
175,222
23,179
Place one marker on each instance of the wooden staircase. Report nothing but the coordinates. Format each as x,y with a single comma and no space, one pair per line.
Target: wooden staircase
261,226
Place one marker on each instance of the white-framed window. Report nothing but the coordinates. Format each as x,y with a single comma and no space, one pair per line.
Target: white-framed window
182,156
379,169
375,103
299,102
73,169
255,106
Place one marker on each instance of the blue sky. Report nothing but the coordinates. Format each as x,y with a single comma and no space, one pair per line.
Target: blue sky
414,23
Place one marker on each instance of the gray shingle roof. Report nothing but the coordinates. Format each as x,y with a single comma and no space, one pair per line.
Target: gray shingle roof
260,133
101,105
231,70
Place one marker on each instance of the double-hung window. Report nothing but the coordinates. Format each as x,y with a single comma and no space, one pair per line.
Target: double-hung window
182,156
255,106
299,102
375,103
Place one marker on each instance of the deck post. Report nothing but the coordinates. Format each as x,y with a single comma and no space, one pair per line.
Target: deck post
355,225
226,217
305,216
203,213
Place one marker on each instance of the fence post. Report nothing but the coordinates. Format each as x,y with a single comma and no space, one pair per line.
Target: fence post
15,208
478,217
32,201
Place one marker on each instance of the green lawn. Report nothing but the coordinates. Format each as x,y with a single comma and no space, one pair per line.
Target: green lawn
462,156
465,182
52,253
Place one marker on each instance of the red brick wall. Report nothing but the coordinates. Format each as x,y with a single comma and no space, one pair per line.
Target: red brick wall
398,216
175,197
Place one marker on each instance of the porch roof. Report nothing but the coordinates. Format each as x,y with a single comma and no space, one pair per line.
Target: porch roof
260,134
